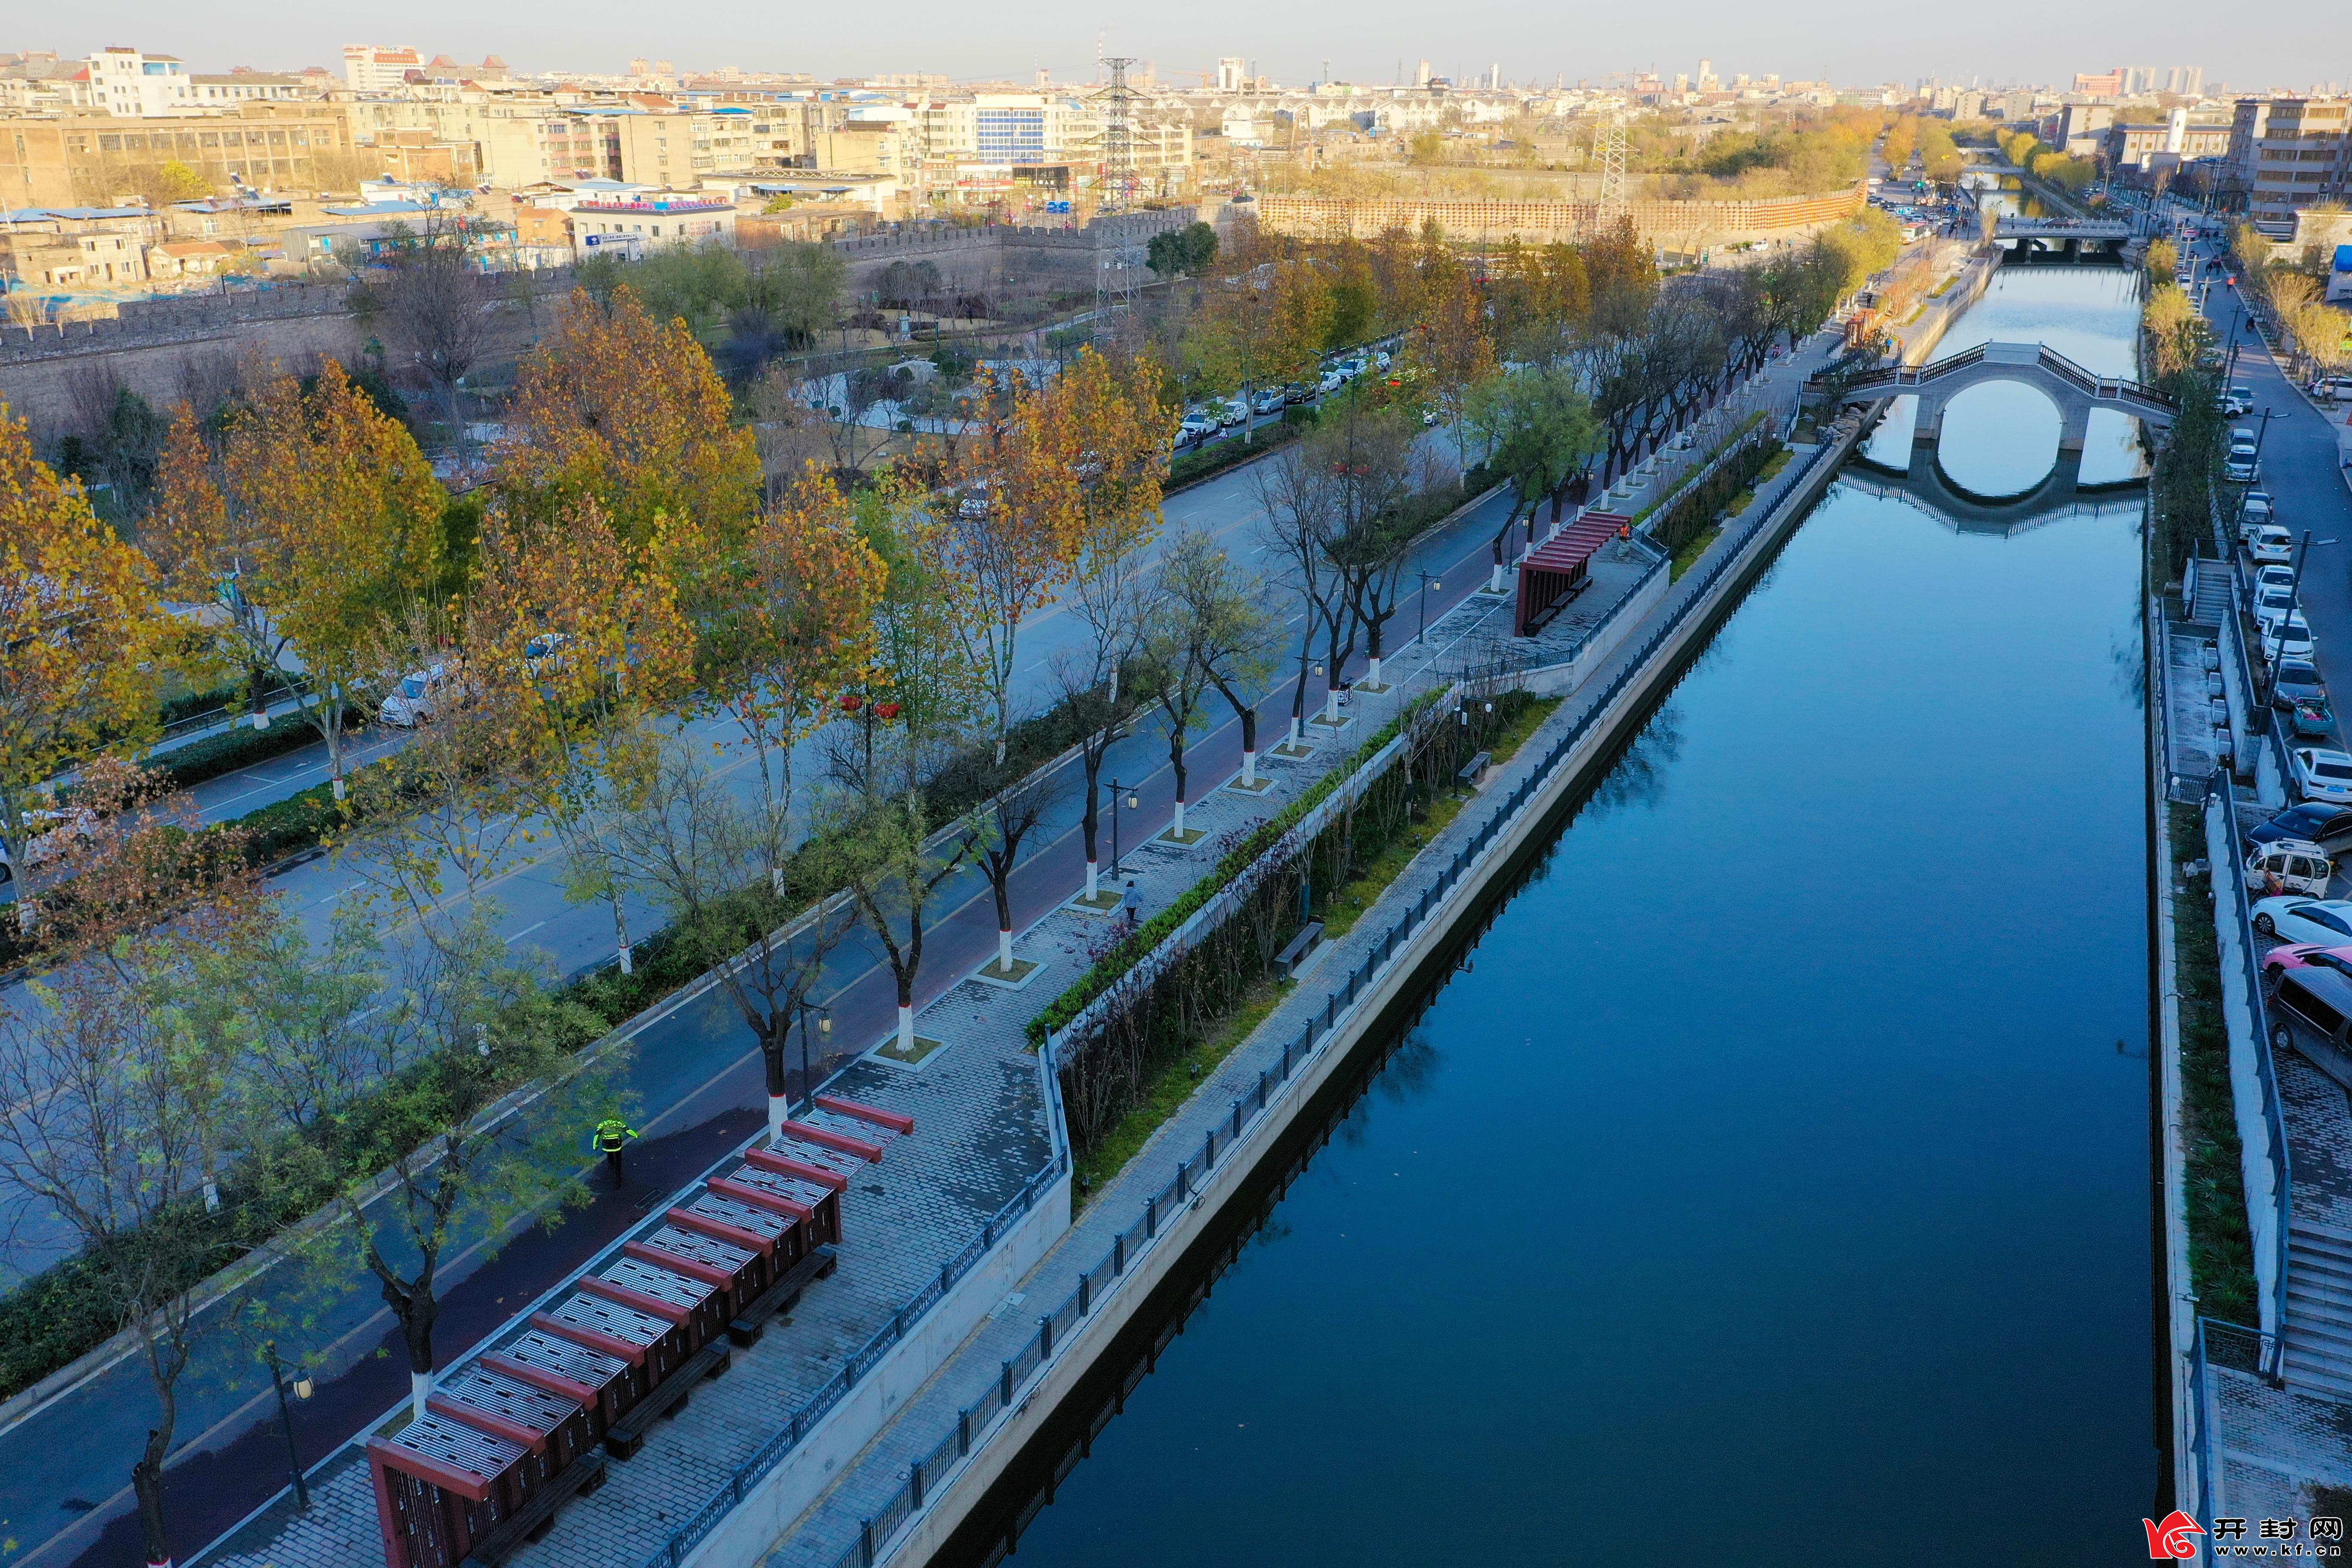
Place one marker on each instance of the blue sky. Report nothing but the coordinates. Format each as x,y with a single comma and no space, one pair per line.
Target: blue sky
2290,44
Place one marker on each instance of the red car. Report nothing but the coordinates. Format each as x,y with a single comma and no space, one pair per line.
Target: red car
2304,956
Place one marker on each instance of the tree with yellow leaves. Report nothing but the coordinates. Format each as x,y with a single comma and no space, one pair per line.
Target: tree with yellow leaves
577,641
797,631
308,538
79,628
625,410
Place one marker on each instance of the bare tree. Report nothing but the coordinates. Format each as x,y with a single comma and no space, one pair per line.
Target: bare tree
436,306
1012,812
1296,495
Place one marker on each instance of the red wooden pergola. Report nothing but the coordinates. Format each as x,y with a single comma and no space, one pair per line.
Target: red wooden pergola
1558,572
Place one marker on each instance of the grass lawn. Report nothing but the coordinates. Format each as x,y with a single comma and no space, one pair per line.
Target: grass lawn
1176,1084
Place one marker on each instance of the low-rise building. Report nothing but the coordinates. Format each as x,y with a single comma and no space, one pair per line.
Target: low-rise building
177,260
68,248
634,226
88,159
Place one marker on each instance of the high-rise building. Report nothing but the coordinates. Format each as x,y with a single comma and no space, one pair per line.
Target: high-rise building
371,67
1231,71
1707,81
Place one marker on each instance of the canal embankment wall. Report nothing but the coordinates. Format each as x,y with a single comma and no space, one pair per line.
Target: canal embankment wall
1005,1386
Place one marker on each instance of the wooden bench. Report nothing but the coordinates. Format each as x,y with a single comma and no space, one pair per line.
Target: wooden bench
1287,960
626,1435
781,1297
533,1520
1474,772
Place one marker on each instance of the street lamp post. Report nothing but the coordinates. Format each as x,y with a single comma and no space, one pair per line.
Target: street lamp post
286,1419
1115,789
1427,583
825,1026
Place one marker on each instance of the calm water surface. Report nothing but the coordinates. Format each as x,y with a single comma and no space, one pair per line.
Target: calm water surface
1774,1189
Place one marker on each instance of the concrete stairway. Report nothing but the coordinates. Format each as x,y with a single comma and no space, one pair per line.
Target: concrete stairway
2213,593
2319,1309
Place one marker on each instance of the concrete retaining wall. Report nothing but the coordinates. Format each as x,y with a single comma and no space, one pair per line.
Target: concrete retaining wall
786,1491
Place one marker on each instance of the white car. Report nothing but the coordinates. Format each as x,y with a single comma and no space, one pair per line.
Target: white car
2274,577
2290,639
419,697
2292,866
2256,511
1231,412
2322,774
2272,605
2241,471
2328,922
2272,545
50,834
1328,382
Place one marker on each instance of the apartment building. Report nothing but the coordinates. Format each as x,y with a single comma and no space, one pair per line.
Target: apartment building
632,225
127,83
2289,154
212,93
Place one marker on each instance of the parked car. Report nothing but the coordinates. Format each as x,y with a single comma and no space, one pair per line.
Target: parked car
2239,470
1328,382
2329,826
2304,956
421,695
2322,774
2274,576
2256,510
1269,401
2310,1009
2237,400
2323,922
2289,867
1299,392
1231,412
2273,605
2333,387
1195,430
2272,545
2291,639
2297,680
2313,720
49,834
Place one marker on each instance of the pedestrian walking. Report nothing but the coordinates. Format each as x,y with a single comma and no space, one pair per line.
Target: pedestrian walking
612,1135
1132,902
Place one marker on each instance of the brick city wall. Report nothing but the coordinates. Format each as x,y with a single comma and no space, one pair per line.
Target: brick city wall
1543,222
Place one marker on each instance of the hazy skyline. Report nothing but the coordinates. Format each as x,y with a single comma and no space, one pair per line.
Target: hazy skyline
1364,40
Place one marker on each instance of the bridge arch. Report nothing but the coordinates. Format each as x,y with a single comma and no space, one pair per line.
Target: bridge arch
2074,390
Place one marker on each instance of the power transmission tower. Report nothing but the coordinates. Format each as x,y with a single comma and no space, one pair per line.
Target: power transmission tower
1118,101
1608,155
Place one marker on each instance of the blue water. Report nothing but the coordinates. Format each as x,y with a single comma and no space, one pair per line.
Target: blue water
1774,1189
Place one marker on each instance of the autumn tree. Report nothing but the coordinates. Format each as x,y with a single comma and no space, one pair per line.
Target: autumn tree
579,639
1229,629
310,537
1450,347
79,631
796,632
617,407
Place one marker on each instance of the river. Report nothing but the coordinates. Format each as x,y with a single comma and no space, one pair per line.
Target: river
1773,1184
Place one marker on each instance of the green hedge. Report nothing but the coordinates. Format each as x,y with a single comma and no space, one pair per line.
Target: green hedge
239,747
1108,970
1193,466
1691,514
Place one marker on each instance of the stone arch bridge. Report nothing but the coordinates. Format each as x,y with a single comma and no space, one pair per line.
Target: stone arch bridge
2074,390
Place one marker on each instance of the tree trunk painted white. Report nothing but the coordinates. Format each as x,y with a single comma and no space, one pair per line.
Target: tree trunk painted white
1090,879
420,1384
1178,830
629,960
1005,950
907,1030
1495,582
1292,740
261,718
1331,705
776,880
1249,770
338,789
1372,676
780,1110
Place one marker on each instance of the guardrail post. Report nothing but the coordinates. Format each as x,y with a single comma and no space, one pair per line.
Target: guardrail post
1004,1386
1261,1092
1209,1151
1118,1253
915,1482
865,1542
1151,1217
963,1432
1085,1295
1181,1194
1238,1116
1044,1335
946,1275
